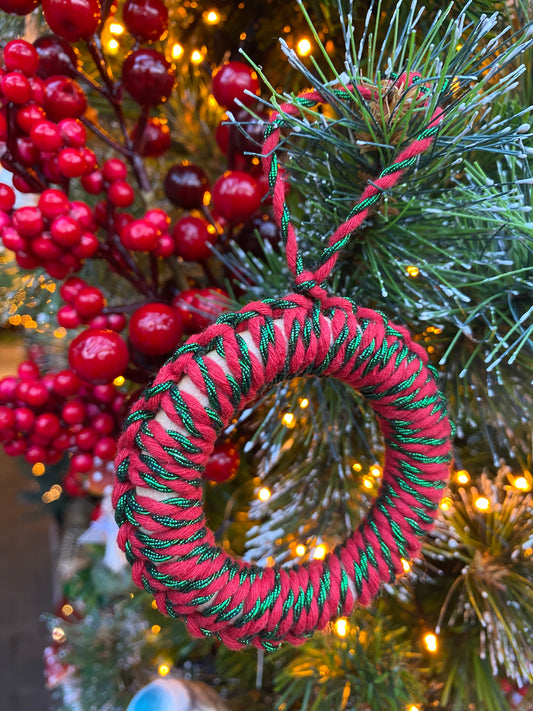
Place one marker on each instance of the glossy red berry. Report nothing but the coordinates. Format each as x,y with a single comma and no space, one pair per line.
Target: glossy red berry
82,463
30,115
155,139
140,236
73,132
186,185
46,249
67,317
147,77
13,241
89,302
82,213
47,425
146,20
87,247
7,197
24,418
103,423
72,485
72,20
165,246
86,438
7,418
46,136
28,370
71,288
105,448
200,307
53,203
32,392
71,163
21,55
27,153
66,383
65,231
193,238
158,218
16,87
93,183
64,98
98,356
155,329
114,169
28,221
222,464
120,194
56,57
236,195
18,7
231,83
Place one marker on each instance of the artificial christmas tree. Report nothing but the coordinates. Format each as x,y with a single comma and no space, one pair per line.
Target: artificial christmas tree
137,133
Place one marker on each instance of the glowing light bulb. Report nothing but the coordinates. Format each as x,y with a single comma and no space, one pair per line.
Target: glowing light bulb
112,46
116,28
303,47
67,609
177,51
446,504
462,476
375,470
522,483
288,419
413,708
341,627
60,332
430,640
368,482
304,402
119,380
212,17
196,56
406,565
357,467
482,503
300,550
163,669
156,629
38,469
412,271
58,634
264,494
320,552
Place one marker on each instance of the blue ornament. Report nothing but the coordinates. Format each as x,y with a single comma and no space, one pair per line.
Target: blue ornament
176,695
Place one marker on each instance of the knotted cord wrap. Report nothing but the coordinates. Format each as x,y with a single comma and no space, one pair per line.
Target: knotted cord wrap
172,428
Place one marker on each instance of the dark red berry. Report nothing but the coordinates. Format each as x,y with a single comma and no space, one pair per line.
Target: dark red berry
72,485
27,153
21,55
89,302
231,83
155,329
262,227
147,77
155,139
222,464
16,87
72,20
146,20
18,7
193,238
64,98
236,195
98,356
56,57
186,185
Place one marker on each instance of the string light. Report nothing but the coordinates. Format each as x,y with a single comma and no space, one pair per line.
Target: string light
156,629
412,271
163,669
406,565
368,483
375,470
304,402
357,467
462,476
303,47
196,56
522,483
116,28
67,610
341,626
212,17
58,634
413,708
264,494
288,419
320,552
119,380
482,503
446,504
430,640
112,46
300,550
38,469
177,51
60,332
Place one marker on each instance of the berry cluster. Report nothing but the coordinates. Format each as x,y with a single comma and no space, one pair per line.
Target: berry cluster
44,416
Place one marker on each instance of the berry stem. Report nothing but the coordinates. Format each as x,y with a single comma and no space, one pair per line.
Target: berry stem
154,271
27,174
106,137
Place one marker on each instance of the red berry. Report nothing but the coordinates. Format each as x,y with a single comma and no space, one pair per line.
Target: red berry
87,246
64,98
51,169
24,419
114,169
65,231
28,370
93,183
3,127
236,195
32,392
105,448
67,317
193,238
147,77
7,197
200,307
46,136
47,425
26,260
71,483
98,356
53,203
155,329
72,20
8,388
146,20
16,87
30,115
104,393
185,186
7,418
86,439
66,383
5,220
71,288
27,153
222,464
37,90
28,221
139,236
21,55
120,194
262,226
82,463
89,302
56,57
18,7
73,132
82,213
13,241
165,246
73,412
35,453
45,248
71,163
158,218
116,322
99,321
232,81
104,423
155,139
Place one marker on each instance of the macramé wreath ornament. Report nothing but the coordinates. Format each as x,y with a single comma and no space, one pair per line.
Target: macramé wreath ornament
172,430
